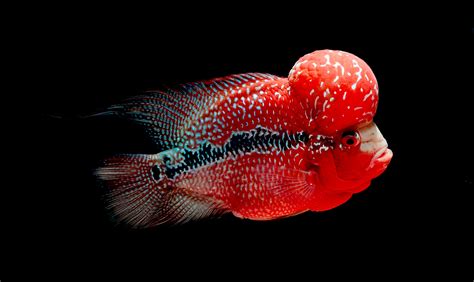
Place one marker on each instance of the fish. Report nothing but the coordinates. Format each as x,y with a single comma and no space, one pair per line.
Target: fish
255,145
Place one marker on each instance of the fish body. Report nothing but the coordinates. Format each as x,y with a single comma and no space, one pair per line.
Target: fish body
256,145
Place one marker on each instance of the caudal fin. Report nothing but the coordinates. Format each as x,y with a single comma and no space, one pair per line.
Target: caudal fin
139,194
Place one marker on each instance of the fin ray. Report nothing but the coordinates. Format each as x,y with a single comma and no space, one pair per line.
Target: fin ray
167,114
136,198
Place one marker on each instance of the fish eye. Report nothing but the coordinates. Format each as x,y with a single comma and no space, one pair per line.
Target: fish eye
350,138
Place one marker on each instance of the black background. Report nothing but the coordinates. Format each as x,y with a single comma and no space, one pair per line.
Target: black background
85,64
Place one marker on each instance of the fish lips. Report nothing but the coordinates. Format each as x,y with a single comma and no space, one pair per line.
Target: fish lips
380,161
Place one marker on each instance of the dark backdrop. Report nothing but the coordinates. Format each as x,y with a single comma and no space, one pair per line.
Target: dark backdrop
85,67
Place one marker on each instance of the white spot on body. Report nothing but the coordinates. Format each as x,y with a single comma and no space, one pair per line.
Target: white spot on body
358,74
367,96
326,92
243,109
316,103
327,61
337,64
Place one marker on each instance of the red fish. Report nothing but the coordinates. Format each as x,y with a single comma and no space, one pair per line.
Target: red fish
255,145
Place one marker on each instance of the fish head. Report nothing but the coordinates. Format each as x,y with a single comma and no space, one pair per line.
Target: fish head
338,93
360,154
351,158
347,160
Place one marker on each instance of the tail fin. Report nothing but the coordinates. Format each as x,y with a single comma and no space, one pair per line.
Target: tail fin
139,194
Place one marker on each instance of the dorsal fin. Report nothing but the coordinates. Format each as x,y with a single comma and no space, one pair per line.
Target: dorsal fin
166,114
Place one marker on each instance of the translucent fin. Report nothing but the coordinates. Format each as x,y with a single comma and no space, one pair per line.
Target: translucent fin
283,181
279,181
139,195
166,115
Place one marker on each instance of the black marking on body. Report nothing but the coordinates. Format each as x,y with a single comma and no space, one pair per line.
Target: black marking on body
156,172
256,140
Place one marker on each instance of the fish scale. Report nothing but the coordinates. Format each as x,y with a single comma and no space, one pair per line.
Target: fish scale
256,145
265,169
259,140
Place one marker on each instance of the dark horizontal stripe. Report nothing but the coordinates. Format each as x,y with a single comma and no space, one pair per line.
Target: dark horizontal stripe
257,140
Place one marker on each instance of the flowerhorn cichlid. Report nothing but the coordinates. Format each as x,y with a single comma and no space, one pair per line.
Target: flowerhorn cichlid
255,145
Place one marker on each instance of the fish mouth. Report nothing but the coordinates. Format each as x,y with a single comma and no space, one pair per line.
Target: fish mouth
382,156
385,155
